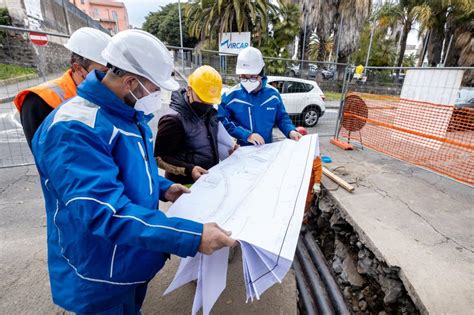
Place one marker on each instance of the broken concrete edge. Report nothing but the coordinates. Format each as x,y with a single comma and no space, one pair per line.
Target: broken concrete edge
365,239
369,285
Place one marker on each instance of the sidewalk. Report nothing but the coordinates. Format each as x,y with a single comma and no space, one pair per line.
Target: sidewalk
414,219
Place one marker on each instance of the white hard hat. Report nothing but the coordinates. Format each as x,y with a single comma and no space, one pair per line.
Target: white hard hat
89,42
143,54
249,61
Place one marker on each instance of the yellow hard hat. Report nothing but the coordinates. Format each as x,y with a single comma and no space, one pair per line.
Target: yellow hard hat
206,82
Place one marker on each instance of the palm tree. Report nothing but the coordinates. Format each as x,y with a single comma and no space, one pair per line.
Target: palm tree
343,19
208,18
444,19
284,28
318,49
384,52
463,46
404,13
285,23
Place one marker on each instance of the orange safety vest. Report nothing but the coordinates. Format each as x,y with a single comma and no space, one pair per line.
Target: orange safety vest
53,92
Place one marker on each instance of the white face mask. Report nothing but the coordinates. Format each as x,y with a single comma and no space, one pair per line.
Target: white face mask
250,86
148,104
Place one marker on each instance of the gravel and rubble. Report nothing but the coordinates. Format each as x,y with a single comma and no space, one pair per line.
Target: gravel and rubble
368,284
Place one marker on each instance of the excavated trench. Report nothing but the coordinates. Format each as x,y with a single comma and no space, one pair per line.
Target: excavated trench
368,285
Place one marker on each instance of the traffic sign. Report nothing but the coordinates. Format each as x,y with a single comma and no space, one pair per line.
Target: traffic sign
38,39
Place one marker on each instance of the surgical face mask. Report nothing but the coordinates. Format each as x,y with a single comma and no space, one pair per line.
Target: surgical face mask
250,85
147,104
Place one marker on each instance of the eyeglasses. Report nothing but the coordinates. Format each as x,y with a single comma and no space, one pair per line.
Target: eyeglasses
252,79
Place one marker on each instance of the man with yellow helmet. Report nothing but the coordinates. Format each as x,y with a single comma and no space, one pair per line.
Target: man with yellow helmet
186,142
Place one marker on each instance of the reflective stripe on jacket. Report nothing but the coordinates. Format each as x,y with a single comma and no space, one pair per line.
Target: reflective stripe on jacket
53,92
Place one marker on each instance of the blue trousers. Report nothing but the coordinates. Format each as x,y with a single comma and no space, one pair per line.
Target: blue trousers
129,306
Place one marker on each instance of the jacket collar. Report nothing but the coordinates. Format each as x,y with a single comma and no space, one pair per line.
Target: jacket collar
94,91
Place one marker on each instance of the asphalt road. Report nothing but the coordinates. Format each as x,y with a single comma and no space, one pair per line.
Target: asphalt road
25,289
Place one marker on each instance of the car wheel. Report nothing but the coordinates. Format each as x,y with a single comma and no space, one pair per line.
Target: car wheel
310,116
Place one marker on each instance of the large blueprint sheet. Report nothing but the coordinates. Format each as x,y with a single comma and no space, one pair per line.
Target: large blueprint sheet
259,194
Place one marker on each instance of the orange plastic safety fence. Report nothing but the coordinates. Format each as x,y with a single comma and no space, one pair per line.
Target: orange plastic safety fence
438,137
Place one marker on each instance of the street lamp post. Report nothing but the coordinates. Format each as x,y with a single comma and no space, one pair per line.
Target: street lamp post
181,36
370,47
304,46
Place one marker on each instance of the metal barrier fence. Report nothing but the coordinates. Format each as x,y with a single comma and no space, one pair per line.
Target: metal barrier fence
312,102
45,63
311,91
428,121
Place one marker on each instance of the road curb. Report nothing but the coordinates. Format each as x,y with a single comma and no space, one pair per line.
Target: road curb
18,79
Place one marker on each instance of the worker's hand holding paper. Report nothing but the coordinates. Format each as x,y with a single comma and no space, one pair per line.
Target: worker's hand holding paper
255,189
214,238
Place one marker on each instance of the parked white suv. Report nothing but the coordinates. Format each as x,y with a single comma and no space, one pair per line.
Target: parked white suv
303,99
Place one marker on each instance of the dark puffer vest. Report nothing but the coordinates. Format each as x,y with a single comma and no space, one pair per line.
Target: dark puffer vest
200,144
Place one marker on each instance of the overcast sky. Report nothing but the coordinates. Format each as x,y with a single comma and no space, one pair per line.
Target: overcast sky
138,9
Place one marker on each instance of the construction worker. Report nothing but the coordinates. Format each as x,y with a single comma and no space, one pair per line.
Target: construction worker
359,71
186,142
34,104
250,110
106,237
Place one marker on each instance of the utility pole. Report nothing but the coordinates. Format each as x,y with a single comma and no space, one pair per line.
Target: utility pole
181,35
66,17
370,47
447,50
304,46
425,48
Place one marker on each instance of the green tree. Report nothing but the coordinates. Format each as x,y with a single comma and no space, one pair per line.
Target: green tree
447,18
317,48
285,27
4,20
4,17
209,18
409,61
164,24
341,19
326,17
403,13
384,48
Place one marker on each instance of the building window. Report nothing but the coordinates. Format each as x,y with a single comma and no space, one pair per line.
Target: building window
82,1
114,15
96,12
